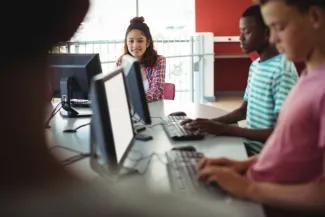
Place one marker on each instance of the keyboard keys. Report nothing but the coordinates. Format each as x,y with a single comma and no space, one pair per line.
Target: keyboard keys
80,103
182,169
182,174
175,131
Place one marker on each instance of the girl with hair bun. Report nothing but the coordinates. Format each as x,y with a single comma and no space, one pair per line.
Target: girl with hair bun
139,44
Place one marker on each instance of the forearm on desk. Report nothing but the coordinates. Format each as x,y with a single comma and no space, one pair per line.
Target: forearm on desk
308,196
234,116
253,134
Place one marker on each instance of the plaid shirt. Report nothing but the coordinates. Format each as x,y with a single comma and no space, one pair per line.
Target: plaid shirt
156,79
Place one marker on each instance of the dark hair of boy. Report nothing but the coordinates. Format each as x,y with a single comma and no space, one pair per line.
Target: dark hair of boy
254,34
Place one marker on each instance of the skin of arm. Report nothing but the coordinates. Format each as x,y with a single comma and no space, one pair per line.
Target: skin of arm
308,196
232,130
221,125
254,134
238,166
230,118
234,116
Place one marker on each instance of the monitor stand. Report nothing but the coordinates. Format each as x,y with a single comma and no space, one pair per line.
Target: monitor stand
139,127
76,113
66,84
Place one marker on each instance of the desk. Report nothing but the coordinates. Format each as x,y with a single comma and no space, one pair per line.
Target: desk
155,173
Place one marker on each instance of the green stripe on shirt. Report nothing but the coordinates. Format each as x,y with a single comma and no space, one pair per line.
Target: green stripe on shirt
268,85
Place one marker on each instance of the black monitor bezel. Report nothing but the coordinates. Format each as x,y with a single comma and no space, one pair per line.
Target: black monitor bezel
101,114
93,61
130,64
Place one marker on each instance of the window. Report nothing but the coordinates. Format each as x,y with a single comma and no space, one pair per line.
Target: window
108,19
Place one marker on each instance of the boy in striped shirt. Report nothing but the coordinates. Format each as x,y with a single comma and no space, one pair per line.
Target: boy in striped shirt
270,79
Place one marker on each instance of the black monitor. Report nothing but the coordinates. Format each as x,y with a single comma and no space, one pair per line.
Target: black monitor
112,129
71,76
135,88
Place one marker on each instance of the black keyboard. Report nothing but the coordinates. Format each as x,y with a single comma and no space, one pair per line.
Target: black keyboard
181,166
82,103
175,131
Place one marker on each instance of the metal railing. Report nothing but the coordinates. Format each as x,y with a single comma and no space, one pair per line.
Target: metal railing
182,62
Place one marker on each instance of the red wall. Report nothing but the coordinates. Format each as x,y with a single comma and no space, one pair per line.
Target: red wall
222,18
230,74
219,16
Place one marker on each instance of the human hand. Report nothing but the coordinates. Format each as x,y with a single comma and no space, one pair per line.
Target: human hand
186,121
238,166
228,179
187,124
206,125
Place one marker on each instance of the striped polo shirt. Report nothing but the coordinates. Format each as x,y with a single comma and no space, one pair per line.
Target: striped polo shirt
268,85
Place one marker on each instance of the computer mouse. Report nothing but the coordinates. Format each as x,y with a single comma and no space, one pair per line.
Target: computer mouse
185,148
177,114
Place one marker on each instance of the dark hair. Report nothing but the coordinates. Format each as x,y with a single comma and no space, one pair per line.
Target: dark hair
301,5
255,11
150,56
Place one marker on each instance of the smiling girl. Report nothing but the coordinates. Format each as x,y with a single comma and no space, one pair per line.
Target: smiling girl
139,44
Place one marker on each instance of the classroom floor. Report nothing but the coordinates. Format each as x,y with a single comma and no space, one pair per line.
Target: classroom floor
228,103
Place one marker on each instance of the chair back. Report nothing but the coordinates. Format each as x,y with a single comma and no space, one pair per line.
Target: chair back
169,91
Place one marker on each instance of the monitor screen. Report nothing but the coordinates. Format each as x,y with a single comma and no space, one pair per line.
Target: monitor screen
135,88
79,67
112,123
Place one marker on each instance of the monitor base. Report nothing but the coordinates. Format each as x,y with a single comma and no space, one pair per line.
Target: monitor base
143,137
81,113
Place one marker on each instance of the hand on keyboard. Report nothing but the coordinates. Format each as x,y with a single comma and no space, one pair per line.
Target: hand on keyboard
187,124
238,166
205,125
226,178
186,121
182,173
175,131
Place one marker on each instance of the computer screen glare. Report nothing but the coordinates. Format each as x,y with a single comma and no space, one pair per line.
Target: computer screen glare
121,123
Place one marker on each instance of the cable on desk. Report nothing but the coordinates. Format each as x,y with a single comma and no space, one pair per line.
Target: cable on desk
53,113
130,154
154,125
75,158
147,165
66,148
157,117
75,129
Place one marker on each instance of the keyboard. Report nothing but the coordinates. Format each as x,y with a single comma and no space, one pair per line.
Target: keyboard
181,167
82,103
176,131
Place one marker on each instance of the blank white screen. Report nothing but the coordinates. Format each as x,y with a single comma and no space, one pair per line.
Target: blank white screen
119,114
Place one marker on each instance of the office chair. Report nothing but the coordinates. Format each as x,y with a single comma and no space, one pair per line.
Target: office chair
169,91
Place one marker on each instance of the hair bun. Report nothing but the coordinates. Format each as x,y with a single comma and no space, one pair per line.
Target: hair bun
137,20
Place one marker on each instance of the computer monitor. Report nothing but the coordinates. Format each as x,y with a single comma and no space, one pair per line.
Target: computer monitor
112,128
135,88
71,76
